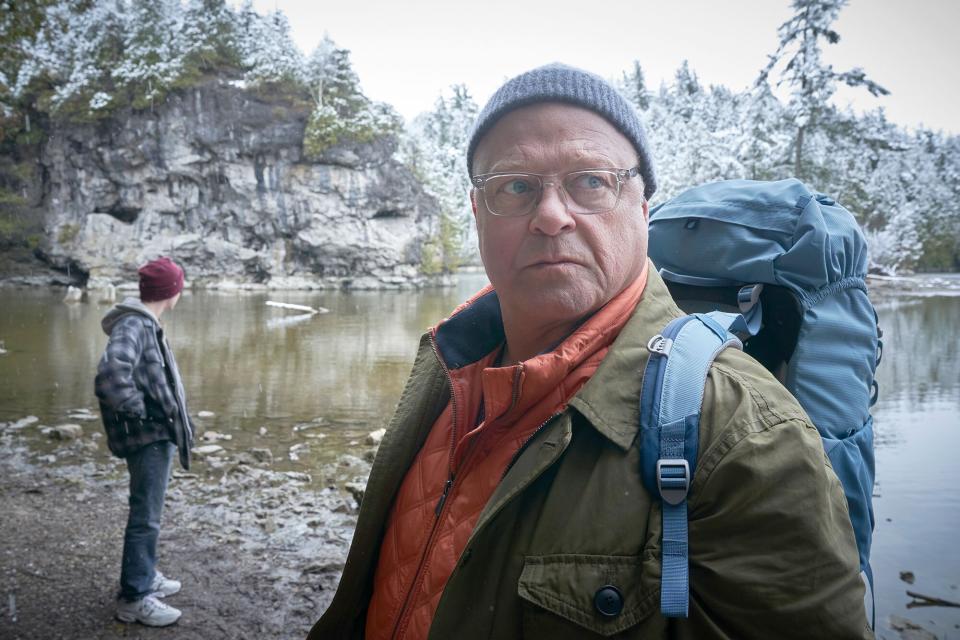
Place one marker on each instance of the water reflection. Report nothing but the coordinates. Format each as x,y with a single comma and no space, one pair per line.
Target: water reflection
289,321
917,421
250,364
922,350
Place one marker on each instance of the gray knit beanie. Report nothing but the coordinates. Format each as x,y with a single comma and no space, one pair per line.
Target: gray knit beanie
561,83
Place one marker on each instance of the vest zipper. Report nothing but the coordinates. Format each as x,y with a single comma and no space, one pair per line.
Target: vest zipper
405,612
453,410
443,497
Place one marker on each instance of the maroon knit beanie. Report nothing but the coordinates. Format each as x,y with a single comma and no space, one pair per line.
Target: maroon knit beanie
160,279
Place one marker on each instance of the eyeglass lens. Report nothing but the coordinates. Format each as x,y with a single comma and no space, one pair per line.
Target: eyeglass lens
518,194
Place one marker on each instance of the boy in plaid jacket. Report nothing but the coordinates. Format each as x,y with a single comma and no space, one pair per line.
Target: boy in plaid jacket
144,411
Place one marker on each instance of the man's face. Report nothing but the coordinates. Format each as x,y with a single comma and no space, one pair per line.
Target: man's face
174,300
553,267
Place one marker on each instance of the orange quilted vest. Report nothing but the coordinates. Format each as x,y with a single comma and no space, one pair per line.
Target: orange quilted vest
466,454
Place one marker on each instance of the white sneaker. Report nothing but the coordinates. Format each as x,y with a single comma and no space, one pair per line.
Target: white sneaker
149,611
164,586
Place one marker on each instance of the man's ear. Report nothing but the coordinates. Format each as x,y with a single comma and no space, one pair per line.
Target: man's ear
646,211
473,201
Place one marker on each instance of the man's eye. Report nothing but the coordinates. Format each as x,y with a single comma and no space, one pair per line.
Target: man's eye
588,181
517,187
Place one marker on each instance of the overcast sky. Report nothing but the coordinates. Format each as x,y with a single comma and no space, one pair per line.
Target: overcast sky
407,52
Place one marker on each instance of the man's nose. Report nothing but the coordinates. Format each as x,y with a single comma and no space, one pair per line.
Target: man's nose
551,215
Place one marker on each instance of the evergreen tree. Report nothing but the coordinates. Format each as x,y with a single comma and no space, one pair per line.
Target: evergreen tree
341,110
435,150
69,59
266,47
152,50
763,147
935,162
813,81
91,47
317,67
692,136
209,37
634,87
879,186
19,28
333,81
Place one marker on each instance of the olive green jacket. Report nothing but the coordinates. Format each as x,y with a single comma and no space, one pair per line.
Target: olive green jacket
772,551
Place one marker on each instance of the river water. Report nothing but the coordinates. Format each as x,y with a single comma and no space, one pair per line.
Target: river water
311,388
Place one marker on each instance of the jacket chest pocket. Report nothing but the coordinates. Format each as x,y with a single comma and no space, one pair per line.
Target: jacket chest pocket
584,596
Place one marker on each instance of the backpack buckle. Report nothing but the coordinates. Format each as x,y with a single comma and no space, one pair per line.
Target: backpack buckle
748,296
659,346
673,479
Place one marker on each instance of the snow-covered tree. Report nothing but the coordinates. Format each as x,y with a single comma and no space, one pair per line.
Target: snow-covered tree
153,50
692,132
878,185
933,161
633,85
798,57
341,110
209,37
73,53
266,47
19,26
435,149
763,145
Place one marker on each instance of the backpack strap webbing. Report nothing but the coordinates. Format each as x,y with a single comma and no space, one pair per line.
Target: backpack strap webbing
670,400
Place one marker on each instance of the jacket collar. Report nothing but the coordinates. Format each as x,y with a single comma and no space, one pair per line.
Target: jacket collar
610,400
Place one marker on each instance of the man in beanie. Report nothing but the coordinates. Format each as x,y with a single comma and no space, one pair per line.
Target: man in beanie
506,500
145,414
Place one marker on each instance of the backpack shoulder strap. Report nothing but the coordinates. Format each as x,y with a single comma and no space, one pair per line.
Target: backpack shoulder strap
670,400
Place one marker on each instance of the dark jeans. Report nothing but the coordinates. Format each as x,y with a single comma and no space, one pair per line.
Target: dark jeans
149,469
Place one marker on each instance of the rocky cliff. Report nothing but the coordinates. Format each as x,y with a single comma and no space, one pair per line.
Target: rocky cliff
215,178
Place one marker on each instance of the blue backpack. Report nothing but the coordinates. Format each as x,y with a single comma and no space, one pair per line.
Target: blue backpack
777,270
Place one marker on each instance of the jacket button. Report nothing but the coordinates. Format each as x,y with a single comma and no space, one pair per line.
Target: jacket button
608,601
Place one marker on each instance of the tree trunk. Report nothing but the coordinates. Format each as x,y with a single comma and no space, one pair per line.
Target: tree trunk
798,159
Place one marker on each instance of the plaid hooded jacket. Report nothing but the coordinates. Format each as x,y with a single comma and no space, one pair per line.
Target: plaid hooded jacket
139,386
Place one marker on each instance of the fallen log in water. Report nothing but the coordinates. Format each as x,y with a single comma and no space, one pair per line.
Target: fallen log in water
296,307
920,600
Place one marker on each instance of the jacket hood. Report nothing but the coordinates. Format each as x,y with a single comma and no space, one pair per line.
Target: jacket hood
128,306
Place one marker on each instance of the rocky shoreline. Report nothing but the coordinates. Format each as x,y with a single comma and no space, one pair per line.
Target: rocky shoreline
259,550
402,277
